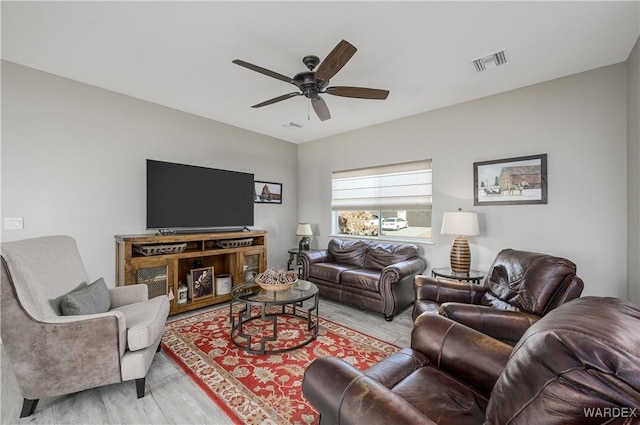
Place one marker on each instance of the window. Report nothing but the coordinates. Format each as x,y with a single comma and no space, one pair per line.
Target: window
393,201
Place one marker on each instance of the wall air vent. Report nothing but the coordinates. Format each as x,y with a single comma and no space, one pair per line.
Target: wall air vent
490,61
292,125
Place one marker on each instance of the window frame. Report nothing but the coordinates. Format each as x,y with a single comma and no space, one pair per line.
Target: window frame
362,176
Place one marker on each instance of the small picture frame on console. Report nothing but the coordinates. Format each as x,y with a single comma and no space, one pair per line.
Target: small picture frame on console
202,283
267,193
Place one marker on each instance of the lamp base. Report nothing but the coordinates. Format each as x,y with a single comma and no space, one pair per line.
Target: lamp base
460,255
303,245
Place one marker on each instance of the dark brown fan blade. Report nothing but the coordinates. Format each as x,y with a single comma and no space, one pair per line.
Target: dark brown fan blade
276,99
360,92
335,60
264,71
321,108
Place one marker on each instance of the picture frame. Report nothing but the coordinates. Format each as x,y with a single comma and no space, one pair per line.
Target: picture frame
202,283
267,192
511,181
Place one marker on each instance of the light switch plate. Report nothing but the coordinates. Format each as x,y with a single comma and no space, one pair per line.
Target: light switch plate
13,223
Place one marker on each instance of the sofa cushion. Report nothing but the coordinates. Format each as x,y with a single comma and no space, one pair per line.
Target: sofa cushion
366,279
330,272
348,252
145,321
381,255
442,398
91,299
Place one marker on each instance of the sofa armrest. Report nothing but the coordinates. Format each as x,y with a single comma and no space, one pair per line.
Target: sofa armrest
129,294
321,256
344,395
505,325
398,271
446,290
396,367
307,258
463,352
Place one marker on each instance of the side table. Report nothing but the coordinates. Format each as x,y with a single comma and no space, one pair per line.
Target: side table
294,261
474,276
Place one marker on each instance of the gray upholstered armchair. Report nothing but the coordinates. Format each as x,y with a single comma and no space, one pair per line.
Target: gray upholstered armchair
53,354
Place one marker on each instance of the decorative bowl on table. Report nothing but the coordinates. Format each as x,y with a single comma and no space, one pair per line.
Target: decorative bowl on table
276,280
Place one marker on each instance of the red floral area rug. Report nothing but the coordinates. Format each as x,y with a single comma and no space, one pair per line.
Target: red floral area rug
262,389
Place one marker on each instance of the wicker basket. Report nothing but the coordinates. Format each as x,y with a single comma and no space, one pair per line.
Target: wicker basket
279,287
235,243
272,275
160,249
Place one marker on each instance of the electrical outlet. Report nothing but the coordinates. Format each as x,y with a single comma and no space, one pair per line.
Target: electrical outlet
13,223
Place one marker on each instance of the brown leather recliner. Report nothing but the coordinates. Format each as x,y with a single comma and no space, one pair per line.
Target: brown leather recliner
519,289
578,365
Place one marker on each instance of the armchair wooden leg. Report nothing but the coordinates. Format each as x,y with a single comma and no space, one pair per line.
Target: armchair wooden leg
388,317
28,407
140,387
159,348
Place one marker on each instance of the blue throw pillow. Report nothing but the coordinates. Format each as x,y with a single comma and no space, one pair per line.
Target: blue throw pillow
90,300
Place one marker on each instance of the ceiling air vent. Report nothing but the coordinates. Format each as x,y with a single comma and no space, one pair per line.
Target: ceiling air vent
490,61
292,125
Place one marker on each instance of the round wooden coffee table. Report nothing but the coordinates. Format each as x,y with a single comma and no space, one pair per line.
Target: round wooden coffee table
265,307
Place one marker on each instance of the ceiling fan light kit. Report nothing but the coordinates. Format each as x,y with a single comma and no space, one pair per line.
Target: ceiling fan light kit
314,83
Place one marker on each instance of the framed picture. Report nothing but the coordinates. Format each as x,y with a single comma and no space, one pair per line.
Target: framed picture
267,193
202,283
511,181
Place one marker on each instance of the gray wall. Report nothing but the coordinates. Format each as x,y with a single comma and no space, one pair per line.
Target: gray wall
73,162
579,121
633,173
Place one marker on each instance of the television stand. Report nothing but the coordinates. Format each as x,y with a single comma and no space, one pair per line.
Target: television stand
166,262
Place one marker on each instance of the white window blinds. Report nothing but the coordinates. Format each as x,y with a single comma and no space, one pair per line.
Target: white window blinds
405,186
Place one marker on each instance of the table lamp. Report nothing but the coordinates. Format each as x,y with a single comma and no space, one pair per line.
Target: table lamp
304,230
461,224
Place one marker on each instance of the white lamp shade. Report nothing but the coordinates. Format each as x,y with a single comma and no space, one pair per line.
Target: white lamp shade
460,223
304,229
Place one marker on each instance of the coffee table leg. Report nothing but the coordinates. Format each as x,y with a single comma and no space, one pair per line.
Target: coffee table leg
310,323
274,319
245,314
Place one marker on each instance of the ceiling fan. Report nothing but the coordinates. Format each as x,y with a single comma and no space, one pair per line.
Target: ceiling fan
314,83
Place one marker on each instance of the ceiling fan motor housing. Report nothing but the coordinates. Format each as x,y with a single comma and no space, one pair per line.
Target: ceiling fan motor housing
308,84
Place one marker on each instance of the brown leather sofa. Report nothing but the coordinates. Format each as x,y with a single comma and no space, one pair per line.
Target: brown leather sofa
578,365
520,288
371,275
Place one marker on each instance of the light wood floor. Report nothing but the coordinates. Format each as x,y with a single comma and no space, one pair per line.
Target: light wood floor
171,396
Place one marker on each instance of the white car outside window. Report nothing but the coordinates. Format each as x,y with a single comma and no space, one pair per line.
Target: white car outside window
395,223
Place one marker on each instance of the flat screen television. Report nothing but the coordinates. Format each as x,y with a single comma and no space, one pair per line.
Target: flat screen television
186,197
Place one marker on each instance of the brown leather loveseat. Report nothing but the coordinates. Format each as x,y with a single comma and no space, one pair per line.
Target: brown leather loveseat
578,365
372,275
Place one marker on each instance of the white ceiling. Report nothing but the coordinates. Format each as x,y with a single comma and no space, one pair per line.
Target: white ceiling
179,54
